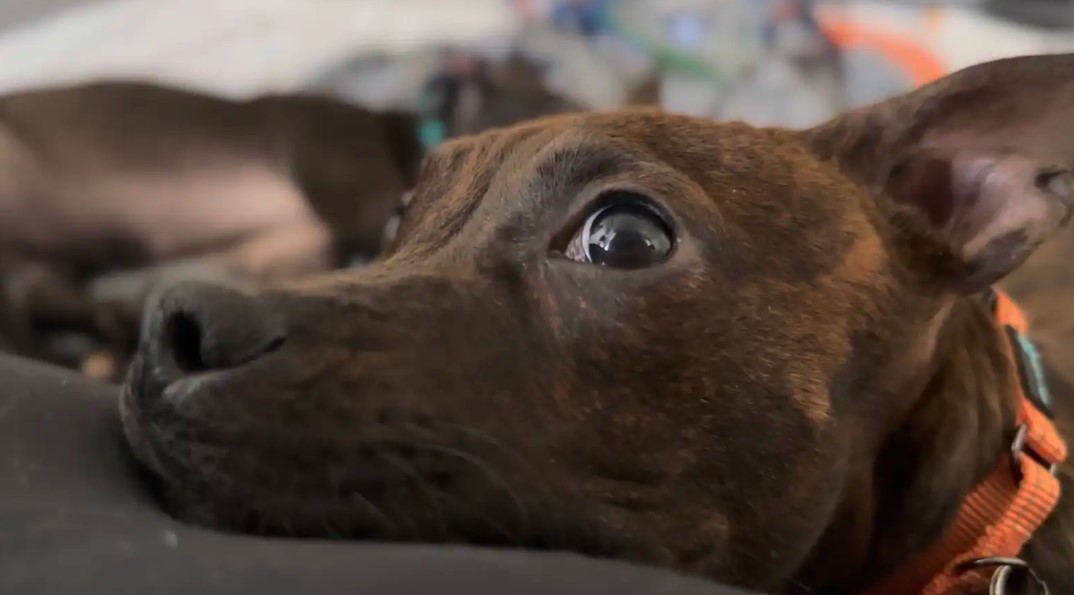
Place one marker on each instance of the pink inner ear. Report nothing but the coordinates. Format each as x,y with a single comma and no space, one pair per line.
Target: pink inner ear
996,196
977,197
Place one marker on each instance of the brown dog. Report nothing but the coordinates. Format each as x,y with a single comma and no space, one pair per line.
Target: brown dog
475,94
760,355
172,183
109,189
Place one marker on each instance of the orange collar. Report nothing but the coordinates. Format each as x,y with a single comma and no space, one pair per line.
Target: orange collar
979,550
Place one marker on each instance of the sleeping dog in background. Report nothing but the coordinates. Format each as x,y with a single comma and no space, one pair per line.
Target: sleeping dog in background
773,357
471,94
110,189
120,176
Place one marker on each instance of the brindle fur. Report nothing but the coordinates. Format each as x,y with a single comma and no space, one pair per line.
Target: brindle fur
796,401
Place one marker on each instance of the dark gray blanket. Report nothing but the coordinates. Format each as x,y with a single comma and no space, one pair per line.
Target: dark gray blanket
74,519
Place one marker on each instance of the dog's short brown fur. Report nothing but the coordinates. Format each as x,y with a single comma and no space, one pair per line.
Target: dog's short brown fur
110,142
504,93
796,400
107,189
134,176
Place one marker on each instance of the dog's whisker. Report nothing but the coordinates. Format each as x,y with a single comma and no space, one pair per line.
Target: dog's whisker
328,529
391,525
490,475
492,441
476,433
461,506
372,508
469,432
434,499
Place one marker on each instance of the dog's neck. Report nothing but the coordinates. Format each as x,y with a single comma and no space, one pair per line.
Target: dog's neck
960,426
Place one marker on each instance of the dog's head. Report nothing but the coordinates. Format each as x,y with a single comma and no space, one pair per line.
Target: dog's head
473,95
631,334
350,163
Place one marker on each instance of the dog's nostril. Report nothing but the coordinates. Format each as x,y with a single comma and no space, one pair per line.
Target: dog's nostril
197,328
184,335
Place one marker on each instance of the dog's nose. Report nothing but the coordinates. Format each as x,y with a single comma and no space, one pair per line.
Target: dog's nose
199,327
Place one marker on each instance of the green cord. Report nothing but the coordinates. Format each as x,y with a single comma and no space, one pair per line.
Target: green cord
666,56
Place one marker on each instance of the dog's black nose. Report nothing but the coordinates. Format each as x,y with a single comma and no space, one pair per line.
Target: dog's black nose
198,327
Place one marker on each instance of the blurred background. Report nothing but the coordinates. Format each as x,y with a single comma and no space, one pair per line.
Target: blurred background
769,61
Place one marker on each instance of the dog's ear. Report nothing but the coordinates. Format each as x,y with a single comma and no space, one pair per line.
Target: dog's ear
980,160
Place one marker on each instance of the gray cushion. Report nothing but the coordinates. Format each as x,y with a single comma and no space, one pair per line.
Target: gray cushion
75,518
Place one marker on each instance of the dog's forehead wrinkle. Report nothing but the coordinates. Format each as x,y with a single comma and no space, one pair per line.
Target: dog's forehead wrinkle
484,214
469,168
446,206
534,175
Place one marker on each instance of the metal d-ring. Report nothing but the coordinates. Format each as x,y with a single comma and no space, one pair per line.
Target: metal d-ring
1018,446
1005,568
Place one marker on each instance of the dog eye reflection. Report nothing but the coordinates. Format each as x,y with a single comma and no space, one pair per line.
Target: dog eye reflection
623,235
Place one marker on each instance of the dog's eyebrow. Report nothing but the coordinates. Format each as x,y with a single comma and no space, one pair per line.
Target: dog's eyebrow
563,171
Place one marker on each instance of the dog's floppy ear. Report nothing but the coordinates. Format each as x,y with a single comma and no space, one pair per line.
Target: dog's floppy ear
980,160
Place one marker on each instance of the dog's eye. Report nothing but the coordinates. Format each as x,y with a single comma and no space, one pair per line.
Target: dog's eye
624,235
